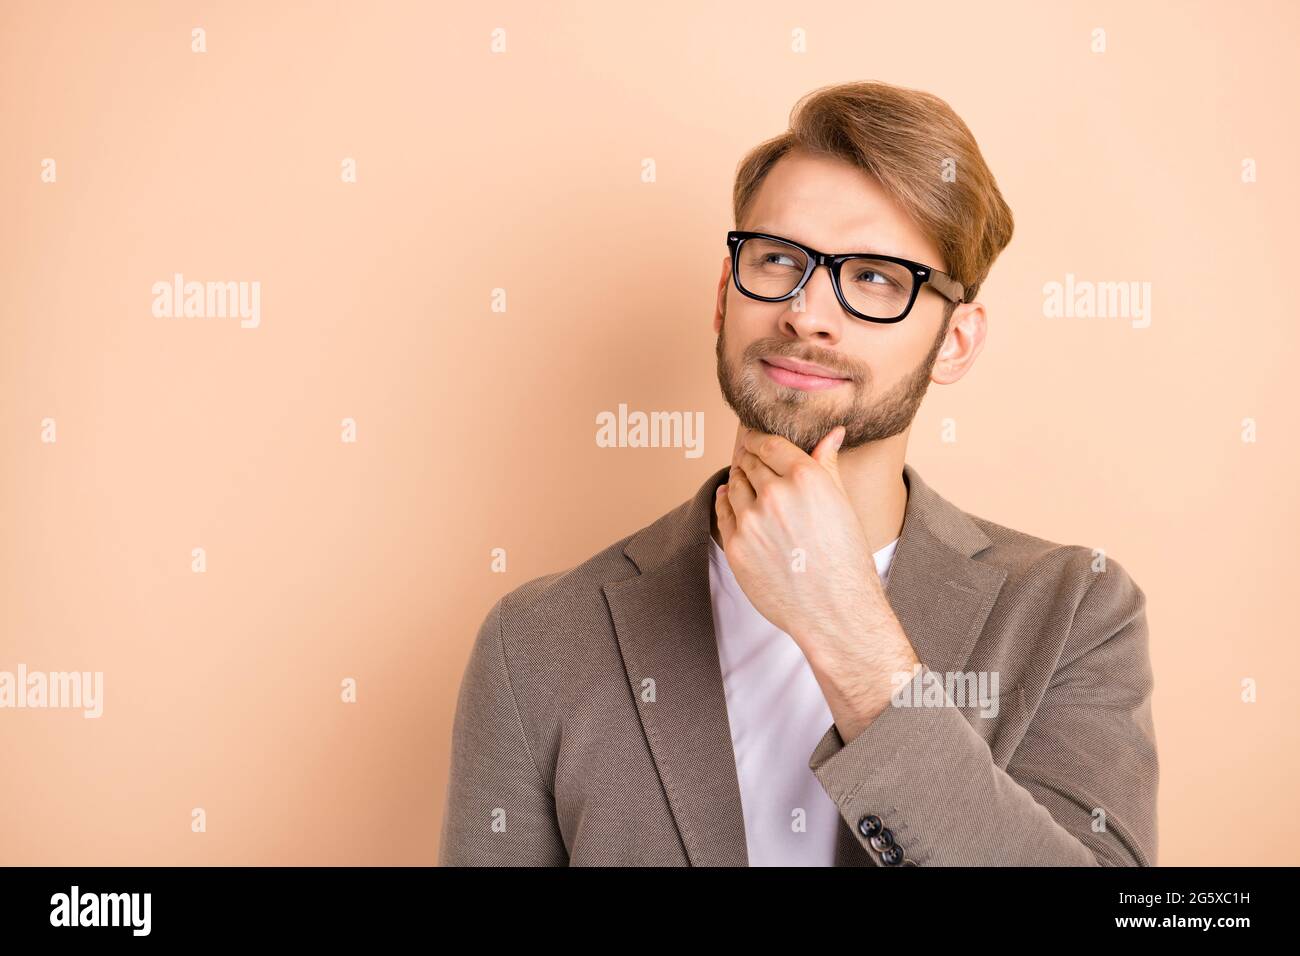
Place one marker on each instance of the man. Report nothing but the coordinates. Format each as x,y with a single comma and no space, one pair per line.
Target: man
817,659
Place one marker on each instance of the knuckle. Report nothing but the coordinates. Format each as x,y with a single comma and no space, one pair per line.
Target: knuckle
803,474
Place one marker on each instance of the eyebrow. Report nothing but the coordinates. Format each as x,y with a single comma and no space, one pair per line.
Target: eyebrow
857,249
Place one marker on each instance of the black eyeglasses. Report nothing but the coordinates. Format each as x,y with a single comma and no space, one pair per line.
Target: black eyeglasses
880,288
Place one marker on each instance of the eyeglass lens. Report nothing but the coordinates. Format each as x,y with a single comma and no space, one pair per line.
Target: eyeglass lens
874,287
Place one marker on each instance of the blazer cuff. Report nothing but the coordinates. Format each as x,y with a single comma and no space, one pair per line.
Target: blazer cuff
925,775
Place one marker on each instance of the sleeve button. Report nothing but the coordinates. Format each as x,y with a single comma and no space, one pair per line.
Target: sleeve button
883,840
870,825
894,856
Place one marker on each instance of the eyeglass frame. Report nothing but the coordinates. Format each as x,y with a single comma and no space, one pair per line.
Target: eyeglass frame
939,281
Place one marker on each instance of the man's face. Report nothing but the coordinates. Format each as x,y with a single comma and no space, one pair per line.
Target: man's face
832,206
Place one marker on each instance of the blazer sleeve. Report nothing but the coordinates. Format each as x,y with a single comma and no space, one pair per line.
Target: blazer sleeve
499,810
1079,789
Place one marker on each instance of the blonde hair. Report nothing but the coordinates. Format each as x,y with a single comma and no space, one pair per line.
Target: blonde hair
905,139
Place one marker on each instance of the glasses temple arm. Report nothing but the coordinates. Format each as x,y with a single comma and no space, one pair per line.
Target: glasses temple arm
948,287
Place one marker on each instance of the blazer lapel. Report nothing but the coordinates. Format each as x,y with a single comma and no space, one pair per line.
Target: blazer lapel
938,592
664,621
663,618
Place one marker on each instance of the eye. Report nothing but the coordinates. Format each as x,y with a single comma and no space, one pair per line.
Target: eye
872,277
778,259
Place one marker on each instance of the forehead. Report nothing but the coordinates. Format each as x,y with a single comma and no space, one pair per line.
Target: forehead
831,205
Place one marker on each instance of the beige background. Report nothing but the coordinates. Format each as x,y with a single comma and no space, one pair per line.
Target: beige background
521,171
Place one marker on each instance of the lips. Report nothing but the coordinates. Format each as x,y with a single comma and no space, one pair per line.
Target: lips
803,368
801,375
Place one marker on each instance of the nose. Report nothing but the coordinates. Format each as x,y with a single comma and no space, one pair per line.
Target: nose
815,313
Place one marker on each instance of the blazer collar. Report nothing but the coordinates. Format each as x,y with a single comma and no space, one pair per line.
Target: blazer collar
663,617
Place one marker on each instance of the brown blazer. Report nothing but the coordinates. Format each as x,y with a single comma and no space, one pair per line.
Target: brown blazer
591,726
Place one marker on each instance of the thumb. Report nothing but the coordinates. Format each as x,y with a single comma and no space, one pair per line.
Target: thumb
827,452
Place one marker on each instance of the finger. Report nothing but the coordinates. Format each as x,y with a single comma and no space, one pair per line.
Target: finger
760,476
740,492
742,431
726,515
777,452
827,452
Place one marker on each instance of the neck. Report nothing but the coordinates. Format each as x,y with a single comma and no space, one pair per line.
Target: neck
873,480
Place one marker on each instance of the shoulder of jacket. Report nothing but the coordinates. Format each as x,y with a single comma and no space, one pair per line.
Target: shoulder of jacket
557,608
1070,569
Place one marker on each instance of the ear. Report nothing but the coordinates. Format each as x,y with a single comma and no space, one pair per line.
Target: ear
962,343
720,309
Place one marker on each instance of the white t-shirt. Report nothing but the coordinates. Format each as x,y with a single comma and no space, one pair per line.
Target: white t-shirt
778,716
